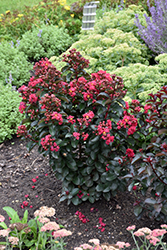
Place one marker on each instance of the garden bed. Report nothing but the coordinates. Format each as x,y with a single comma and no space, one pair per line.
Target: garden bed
18,168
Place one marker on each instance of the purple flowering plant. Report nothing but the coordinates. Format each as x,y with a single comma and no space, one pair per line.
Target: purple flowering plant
154,34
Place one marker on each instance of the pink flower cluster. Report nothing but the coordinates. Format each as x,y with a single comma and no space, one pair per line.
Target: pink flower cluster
48,141
128,121
82,217
57,116
103,129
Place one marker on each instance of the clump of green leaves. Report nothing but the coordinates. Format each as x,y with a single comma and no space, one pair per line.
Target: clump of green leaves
14,67
10,117
38,233
47,41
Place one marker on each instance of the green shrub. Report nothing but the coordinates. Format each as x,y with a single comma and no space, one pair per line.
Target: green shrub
10,117
140,80
47,41
14,66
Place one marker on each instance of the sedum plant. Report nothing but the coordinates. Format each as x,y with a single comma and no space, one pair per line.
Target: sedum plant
14,67
154,33
46,41
10,117
38,233
140,80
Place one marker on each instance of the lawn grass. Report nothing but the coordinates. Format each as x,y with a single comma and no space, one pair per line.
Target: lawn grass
19,4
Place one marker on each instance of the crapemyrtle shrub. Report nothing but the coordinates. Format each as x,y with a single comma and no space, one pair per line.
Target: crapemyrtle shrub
154,33
10,117
150,174
14,67
79,121
46,41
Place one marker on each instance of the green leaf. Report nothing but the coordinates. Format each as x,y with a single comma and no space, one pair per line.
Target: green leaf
107,189
137,210
114,186
76,180
55,154
75,200
94,140
3,225
68,135
107,196
25,217
12,214
63,198
101,158
100,187
82,106
93,155
99,167
52,130
136,158
150,201
91,199
103,94
89,169
74,191
74,143
111,177
95,176
89,183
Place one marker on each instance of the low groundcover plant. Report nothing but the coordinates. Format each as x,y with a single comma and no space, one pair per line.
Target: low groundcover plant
82,122
37,233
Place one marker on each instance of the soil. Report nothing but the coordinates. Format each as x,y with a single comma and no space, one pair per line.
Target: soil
18,168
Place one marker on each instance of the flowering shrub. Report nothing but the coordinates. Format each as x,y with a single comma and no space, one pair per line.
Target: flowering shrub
151,172
154,34
37,233
88,131
81,127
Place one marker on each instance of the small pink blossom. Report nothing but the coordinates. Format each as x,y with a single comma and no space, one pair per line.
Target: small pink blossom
61,233
131,228
26,195
164,226
33,187
49,226
34,180
2,218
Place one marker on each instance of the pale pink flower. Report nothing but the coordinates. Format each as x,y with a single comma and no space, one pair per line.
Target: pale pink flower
78,248
131,228
153,240
2,247
142,231
139,233
4,232
50,226
158,232
164,226
13,240
43,220
95,241
2,218
122,244
45,211
61,233
86,246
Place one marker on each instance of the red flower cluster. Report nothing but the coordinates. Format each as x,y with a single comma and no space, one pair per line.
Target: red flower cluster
102,225
82,217
104,130
130,153
47,141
